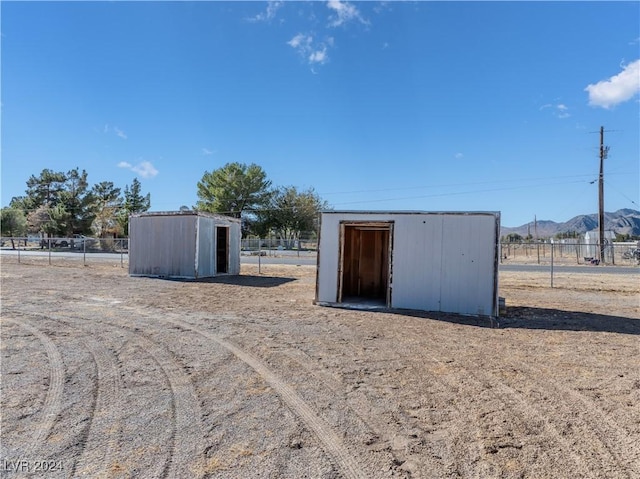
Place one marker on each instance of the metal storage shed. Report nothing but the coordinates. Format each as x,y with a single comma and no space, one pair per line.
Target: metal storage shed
431,261
183,244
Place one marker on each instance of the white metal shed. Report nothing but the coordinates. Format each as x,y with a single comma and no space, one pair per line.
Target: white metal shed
183,244
431,261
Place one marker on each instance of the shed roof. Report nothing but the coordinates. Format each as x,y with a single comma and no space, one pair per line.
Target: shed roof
409,212
188,213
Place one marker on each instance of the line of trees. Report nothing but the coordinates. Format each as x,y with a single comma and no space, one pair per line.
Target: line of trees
244,191
58,204
63,204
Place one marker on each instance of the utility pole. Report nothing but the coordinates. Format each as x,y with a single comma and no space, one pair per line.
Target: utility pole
603,155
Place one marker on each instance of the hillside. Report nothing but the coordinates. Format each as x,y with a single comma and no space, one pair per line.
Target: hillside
624,221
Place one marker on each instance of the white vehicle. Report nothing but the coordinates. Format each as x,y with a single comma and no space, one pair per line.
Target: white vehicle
77,241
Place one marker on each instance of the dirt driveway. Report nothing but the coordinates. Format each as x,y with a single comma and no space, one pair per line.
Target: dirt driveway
104,375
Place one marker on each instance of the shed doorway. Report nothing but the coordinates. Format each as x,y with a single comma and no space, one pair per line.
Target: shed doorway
366,266
222,249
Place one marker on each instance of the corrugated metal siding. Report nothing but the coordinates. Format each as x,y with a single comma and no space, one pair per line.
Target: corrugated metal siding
179,244
235,235
441,261
206,247
162,246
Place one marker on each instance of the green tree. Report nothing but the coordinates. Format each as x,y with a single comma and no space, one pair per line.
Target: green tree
233,189
62,200
514,238
22,203
39,220
106,205
134,202
78,204
46,188
13,223
291,212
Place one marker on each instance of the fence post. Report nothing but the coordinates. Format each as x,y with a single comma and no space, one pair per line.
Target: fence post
552,245
49,242
84,251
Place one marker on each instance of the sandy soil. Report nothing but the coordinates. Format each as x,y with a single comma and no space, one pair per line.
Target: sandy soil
104,375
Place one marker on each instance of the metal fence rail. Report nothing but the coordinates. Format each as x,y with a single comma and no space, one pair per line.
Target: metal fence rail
624,254
64,248
90,249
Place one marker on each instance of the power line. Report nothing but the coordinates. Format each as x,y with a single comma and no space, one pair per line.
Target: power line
450,185
459,193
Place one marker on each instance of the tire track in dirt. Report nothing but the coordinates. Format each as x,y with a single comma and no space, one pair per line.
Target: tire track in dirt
330,441
53,400
466,383
452,455
585,465
581,410
101,444
372,416
186,452
187,434
594,423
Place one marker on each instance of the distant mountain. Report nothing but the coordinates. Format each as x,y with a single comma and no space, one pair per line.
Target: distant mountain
624,221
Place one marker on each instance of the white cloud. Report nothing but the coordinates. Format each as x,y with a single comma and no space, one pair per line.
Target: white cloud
319,56
269,13
300,41
145,169
119,132
314,53
344,12
559,110
206,151
115,130
617,89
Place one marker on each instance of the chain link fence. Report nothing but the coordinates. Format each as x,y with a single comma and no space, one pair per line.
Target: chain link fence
623,254
86,249
63,249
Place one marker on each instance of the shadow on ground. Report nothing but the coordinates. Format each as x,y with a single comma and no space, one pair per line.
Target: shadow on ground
558,320
245,280
539,318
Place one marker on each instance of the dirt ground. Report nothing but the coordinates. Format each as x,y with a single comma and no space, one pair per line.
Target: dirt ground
104,375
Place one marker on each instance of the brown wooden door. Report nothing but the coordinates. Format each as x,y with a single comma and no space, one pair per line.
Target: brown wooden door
365,262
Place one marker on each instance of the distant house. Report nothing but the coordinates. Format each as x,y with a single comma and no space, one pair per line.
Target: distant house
430,261
183,244
590,244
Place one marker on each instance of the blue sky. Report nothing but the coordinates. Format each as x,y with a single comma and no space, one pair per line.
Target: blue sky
377,105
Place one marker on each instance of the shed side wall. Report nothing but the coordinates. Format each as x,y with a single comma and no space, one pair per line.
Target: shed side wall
441,262
162,246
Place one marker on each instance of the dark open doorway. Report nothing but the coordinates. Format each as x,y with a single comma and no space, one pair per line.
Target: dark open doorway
222,249
365,263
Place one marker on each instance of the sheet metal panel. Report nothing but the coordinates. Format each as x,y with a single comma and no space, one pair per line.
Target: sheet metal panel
235,236
468,265
417,262
206,252
162,246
